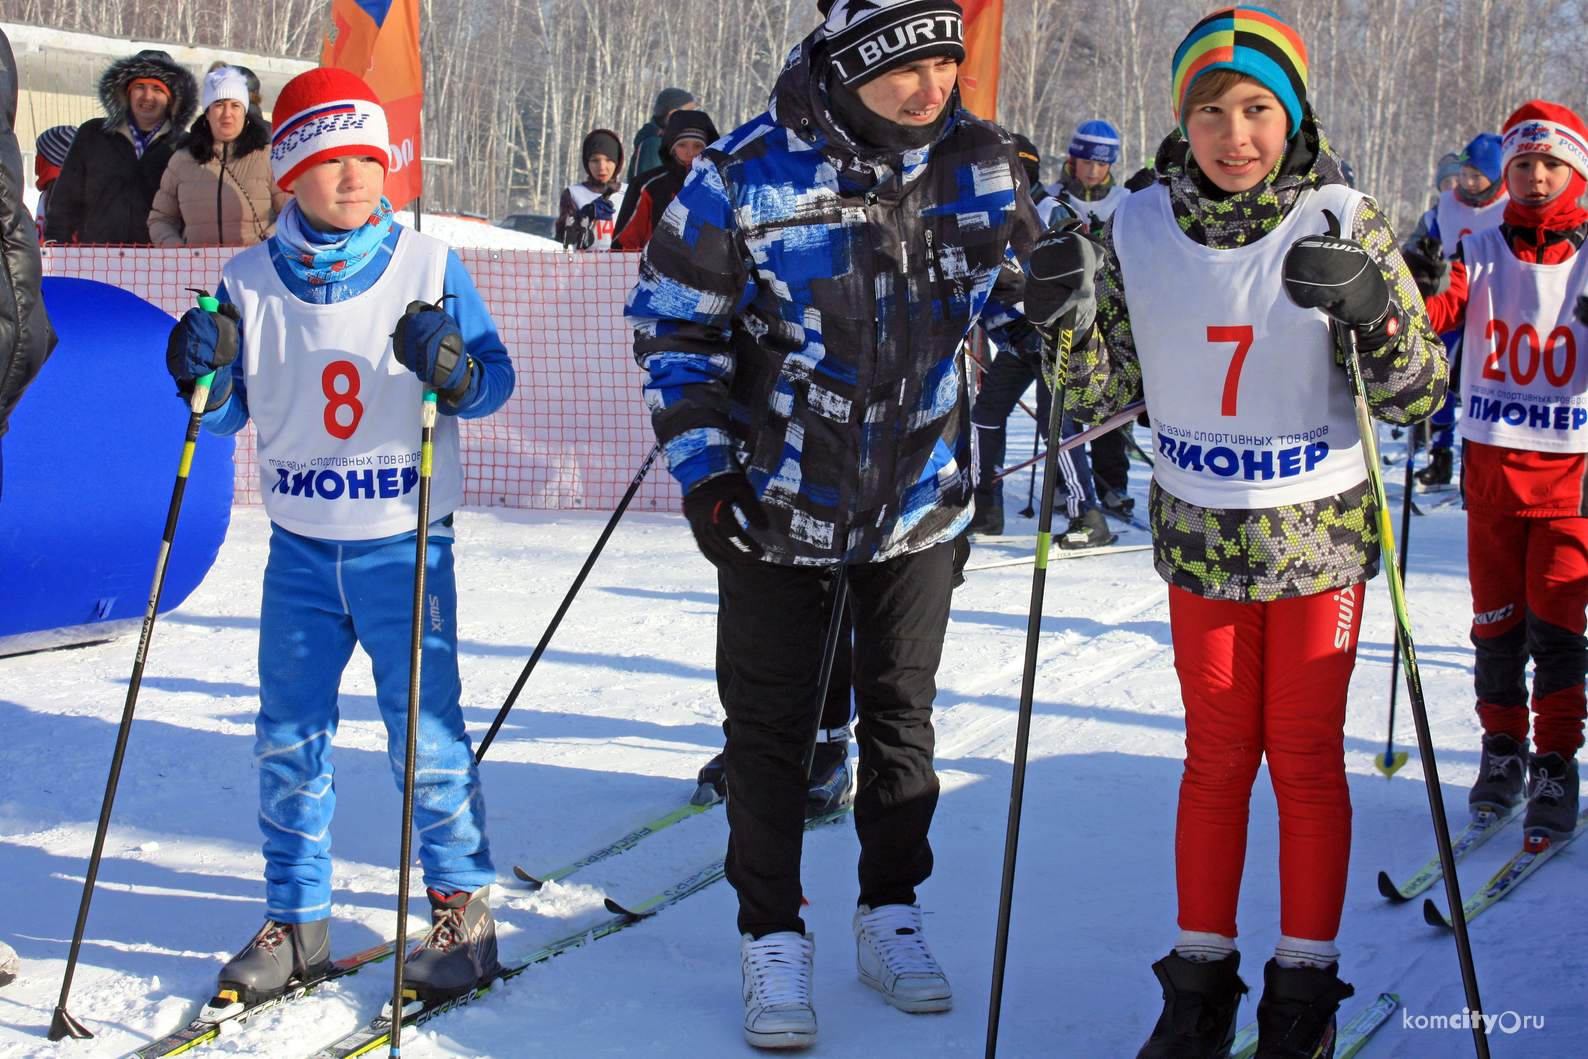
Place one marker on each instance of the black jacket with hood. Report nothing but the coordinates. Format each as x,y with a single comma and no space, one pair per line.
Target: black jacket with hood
105,190
666,180
26,338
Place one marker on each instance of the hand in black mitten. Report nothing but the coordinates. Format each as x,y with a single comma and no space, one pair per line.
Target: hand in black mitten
1337,276
710,508
1581,309
1062,277
1426,261
203,342
428,343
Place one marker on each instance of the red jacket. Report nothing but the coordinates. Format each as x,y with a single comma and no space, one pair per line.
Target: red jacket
1503,481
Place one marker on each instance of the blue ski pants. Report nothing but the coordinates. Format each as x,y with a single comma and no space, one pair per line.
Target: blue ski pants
320,598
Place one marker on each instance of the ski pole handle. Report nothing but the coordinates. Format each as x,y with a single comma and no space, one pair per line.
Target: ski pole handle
201,386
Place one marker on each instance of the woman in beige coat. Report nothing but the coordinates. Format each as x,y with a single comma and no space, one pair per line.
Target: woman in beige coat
219,189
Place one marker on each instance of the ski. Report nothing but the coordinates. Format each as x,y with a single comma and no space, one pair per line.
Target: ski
1348,1041
1508,878
612,849
1129,520
1471,837
377,1032
207,1025
1056,555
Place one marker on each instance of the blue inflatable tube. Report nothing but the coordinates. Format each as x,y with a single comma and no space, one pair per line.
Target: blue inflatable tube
90,460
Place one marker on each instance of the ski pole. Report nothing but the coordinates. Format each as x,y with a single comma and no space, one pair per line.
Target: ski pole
62,1024
1028,680
427,429
840,596
1346,337
567,601
1031,487
1392,761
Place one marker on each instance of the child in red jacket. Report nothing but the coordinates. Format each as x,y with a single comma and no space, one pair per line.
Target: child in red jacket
1515,291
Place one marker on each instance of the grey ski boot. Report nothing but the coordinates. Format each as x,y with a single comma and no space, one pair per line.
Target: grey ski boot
279,955
1551,800
711,783
460,952
1088,530
1502,777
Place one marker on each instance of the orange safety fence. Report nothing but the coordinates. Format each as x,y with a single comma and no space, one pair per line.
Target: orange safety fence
575,429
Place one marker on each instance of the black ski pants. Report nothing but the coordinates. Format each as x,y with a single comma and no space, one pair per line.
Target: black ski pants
1009,376
773,644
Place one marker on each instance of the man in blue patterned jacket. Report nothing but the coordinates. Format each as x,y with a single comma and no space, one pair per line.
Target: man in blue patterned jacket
798,312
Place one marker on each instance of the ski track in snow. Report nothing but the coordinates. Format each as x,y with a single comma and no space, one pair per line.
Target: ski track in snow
609,733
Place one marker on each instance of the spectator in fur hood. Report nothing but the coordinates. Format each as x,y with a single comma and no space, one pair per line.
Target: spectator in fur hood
114,167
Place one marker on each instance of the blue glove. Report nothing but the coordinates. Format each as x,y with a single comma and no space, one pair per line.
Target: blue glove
428,343
200,343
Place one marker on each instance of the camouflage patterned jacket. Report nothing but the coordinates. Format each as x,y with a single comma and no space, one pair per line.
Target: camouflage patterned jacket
1257,555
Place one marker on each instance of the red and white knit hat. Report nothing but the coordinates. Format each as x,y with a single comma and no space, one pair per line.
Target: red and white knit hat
1546,128
321,114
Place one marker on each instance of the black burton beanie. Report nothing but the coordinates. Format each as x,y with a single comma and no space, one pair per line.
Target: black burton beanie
867,38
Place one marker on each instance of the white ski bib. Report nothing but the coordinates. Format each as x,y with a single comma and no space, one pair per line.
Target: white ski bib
1457,219
1095,214
336,413
606,229
1524,373
1248,408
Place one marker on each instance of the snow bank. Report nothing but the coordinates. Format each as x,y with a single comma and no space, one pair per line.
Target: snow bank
458,231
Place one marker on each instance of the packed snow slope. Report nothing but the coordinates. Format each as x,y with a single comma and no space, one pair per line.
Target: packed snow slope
609,734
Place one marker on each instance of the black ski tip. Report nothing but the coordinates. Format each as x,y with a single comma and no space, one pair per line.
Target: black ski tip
63,1026
525,877
1387,887
618,910
1432,916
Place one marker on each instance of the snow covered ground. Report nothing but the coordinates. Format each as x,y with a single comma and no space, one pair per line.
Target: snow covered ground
460,231
609,734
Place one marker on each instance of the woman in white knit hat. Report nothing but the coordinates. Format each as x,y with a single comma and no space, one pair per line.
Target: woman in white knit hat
218,189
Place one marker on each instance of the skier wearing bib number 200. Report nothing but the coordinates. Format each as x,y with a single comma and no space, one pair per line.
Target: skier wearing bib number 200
1517,292
1262,514
303,346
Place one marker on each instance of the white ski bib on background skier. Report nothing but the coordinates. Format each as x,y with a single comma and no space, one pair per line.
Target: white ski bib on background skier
605,229
336,413
1457,219
1248,407
1095,214
1524,374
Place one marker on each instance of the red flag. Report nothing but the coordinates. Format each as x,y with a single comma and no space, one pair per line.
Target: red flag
978,74
379,41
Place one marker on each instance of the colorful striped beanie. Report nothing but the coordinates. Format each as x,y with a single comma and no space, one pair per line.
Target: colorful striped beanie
1251,41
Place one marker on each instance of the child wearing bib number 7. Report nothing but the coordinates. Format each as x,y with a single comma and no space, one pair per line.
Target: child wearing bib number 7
1517,293
305,347
1262,514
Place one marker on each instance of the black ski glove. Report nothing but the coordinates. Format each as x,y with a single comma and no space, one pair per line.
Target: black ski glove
428,343
1581,309
1061,277
200,343
1426,261
1340,278
710,508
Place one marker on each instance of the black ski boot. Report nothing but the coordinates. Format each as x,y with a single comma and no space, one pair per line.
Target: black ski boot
1117,502
460,952
279,955
9,966
988,521
712,783
1200,1000
832,779
1295,1017
1551,800
1502,777
1089,530
1439,468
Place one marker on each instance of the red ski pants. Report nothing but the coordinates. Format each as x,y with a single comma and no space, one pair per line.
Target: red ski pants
1530,600
1264,679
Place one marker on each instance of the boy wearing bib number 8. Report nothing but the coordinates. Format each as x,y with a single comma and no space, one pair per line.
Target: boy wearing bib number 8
1261,509
1516,292
305,347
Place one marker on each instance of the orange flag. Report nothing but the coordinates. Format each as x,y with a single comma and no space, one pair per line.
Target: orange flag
379,41
978,74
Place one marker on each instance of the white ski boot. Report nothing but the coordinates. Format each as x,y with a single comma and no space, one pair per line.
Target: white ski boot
892,958
777,990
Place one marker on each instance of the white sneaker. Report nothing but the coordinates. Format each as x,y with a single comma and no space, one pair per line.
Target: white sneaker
893,959
777,990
